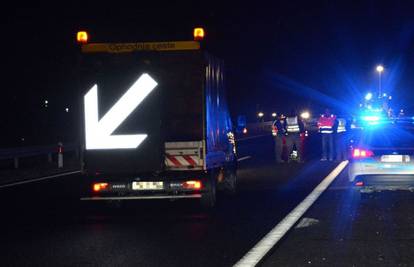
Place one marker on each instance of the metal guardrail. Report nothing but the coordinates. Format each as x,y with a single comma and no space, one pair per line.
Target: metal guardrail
49,150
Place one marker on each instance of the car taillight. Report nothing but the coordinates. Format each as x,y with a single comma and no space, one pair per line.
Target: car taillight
359,183
192,185
99,186
362,153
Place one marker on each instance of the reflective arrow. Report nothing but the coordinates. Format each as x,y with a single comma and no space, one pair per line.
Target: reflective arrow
98,133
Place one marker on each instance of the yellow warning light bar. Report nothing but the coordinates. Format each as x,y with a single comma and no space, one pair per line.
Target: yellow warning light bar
198,34
82,37
131,47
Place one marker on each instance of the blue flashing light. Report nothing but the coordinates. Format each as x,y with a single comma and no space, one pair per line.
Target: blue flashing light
371,118
368,96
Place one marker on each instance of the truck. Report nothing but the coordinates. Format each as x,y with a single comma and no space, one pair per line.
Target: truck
155,123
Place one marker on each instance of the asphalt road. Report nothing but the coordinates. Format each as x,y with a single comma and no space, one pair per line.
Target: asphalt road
44,223
344,229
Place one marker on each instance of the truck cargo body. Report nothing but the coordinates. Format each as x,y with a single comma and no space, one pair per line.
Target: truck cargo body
189,148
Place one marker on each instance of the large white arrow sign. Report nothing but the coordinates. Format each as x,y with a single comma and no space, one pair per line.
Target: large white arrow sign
98,133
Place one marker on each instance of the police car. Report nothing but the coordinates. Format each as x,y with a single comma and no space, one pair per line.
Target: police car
382,154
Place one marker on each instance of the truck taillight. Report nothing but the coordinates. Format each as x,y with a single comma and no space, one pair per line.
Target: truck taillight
362,153
192,185
99,186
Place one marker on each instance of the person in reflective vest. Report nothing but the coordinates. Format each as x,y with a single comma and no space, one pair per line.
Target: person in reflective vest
326,124
294,126
278,131
341,139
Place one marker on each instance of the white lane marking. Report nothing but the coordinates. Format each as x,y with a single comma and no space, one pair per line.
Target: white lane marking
39,179
244,158
306,222
256,254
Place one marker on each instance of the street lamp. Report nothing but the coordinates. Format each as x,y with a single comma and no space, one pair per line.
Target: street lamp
274,114
368,97
305,115
380,69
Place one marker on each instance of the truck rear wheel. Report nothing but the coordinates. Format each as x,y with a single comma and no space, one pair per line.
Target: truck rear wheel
208,198
114,204
230,182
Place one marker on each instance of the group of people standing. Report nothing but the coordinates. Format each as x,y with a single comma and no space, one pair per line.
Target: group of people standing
334,136
290,131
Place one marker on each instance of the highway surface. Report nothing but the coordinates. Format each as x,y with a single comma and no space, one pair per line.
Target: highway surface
45,224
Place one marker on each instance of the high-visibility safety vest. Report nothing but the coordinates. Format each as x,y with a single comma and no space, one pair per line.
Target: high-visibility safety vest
292,125
325,124
341,126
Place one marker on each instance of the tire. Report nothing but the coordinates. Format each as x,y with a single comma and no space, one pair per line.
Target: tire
114,204
208,198
230,182
364,197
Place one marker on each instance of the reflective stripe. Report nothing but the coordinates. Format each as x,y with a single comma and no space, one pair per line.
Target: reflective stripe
292,125
341,126
326,124
293,129
327,130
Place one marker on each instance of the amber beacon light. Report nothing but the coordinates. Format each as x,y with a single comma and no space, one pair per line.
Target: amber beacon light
82,37
198,34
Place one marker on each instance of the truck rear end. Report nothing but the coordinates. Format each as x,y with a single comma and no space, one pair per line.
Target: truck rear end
162,129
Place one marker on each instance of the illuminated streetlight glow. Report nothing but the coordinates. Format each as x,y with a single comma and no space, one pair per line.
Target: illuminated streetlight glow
305,115
368,96
67,109
274,114
380,68
260,114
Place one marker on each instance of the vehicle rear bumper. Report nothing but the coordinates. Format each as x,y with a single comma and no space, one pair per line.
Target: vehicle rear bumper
374,169
123,188
371,183
370,176
97,198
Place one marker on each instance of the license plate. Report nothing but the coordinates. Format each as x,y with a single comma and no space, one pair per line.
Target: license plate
147,185
392,158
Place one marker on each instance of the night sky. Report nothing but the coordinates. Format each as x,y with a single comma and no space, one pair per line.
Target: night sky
303,55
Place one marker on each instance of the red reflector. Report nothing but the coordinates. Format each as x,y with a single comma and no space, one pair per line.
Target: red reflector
192,185
359,183
99,186
356,153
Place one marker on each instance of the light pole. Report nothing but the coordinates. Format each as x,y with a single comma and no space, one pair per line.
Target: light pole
380,69
260,115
